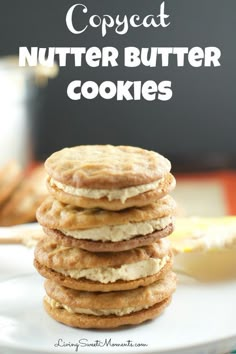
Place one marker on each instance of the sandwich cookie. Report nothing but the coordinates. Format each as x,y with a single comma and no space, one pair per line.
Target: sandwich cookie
98,230
108,177
108,310
82,270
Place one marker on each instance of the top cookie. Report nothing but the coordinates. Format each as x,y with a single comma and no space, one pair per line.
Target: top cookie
106,166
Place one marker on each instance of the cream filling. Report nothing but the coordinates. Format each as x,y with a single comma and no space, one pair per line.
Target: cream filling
126,272
111,194
118,312
117,233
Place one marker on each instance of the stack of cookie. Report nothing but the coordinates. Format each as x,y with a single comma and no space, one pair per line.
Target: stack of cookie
105,255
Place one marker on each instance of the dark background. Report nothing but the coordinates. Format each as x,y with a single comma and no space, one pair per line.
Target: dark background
196,128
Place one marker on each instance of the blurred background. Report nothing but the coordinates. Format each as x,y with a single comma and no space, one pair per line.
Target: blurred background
195,129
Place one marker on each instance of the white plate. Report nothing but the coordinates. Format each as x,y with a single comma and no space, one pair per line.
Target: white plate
201,319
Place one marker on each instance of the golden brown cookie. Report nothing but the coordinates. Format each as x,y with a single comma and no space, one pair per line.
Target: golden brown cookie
108,310
96,246
94,286
11,174
106,166
108,177
56,215
83,270
89,321
165,186
55,256
21,206
141,296
98,230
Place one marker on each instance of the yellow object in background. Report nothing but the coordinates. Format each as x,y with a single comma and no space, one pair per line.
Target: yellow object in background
205,248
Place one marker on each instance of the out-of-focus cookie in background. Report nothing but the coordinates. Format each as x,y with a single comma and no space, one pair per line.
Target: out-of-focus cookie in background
22,187
24,197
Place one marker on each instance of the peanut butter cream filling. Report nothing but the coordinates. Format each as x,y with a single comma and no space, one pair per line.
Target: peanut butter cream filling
111,194
125,272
